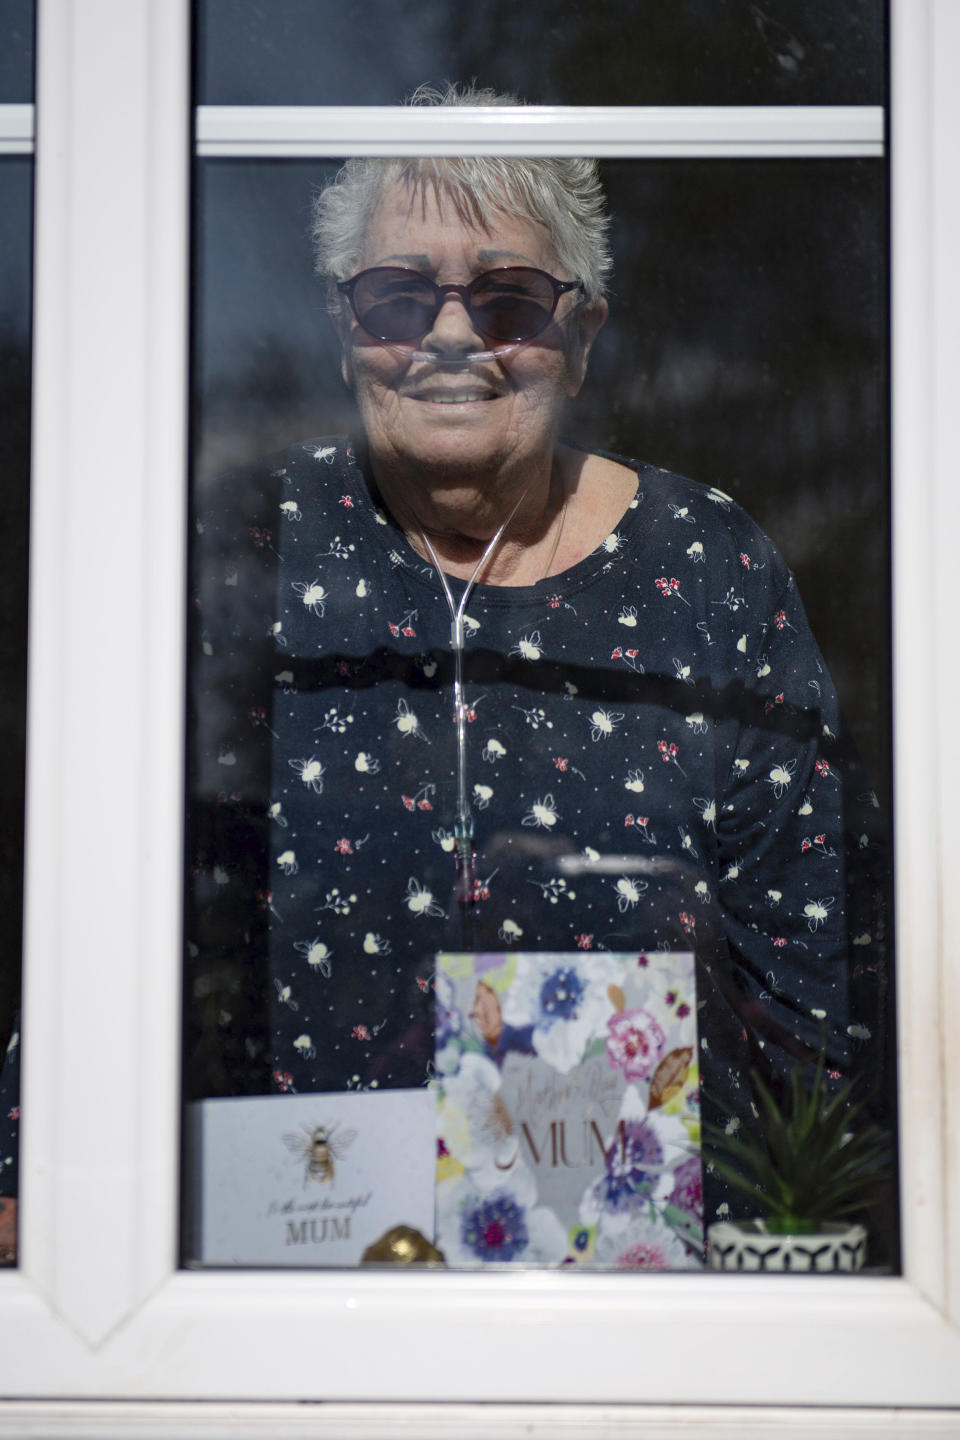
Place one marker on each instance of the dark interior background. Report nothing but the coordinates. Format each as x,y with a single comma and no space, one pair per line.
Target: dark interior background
16,252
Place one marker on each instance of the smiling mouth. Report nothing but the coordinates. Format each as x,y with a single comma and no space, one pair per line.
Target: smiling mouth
454,397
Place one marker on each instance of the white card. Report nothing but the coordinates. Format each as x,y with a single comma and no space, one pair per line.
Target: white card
309,1180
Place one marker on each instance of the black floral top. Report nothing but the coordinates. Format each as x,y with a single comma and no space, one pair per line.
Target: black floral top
654,760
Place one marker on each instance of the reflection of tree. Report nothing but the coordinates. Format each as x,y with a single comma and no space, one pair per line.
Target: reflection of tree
746,348
557,52
264,400
15,468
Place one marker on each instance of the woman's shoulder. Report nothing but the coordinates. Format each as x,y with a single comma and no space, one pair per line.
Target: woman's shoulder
676,506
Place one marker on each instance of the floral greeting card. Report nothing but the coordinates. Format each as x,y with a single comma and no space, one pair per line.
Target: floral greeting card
568,1110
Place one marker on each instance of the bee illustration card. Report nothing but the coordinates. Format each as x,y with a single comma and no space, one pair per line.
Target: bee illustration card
310,1180
568,1110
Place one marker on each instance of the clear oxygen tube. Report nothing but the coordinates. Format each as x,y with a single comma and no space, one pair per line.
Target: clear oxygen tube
454,362
463,830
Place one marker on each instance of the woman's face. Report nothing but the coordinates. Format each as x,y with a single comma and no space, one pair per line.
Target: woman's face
485,418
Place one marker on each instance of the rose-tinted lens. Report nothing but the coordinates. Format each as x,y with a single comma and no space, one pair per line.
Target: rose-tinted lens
512,304
395,304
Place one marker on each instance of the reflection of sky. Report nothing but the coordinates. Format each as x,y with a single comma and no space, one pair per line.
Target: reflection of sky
16,52
557,52
16,205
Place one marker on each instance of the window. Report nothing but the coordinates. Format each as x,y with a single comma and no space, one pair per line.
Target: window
96,1308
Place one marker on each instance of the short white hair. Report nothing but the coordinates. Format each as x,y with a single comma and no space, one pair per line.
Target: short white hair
561,193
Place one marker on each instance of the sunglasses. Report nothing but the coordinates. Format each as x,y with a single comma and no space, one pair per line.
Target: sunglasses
509,304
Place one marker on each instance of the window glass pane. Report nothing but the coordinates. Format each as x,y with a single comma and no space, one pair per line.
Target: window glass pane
16,202
636,788
16,52
556,52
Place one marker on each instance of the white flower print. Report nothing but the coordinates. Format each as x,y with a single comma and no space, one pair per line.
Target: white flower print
316,954
697,723
313,595
407,722
719,497
528,647
493,751
707,810
419,900
781,777
542,813
629,892
628,616
482,795
696,553
603,723
288,862
310,772
817,911
634,782
365,764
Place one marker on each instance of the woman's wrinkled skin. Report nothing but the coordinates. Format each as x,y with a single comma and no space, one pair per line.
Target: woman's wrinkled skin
453,450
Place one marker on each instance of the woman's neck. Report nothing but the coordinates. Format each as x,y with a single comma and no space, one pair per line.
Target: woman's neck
460,518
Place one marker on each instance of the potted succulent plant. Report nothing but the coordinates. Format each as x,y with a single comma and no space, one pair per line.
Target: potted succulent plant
810,1168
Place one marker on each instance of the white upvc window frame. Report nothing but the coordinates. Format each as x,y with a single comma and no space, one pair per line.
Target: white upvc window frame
97,1310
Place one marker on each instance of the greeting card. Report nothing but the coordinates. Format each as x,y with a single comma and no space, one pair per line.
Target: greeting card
309,1180
568,1110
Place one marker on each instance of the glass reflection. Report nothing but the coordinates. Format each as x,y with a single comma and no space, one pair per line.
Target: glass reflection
557,52
645,755
16,201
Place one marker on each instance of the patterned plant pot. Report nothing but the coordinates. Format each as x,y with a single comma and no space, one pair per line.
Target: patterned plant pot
749,1245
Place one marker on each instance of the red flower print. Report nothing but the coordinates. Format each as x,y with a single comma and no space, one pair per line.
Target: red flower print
283,1080
424,805
745,560
360,1032
780,619
344,847
422,985
554,601
779,941
822,767
584,942
561,762
409,802
346,501
408,630
805,845
617,654
819,839
394,629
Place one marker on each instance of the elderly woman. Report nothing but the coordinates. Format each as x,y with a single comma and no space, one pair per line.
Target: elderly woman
478,687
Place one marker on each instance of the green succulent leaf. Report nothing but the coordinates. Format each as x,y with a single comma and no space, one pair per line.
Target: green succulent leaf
814,1158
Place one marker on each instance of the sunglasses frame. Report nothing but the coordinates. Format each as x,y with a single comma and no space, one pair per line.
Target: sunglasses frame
463,294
